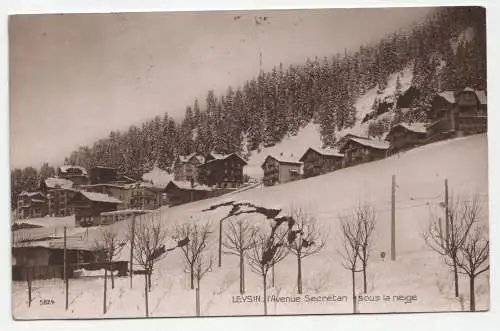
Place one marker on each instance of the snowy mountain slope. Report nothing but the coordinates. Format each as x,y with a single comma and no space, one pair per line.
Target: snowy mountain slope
291,147
364,103
463,37
418,271
295,146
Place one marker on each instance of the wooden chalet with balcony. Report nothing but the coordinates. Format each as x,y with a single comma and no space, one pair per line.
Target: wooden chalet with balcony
146,196
222,171
186,167
405,136
360,150
88,207
31,204
180,192
456,114
279,170
320,161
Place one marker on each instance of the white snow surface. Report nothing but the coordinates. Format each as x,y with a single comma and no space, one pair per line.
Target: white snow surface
292,147
158,176
50,221
463,37
100,197
54,182
417,271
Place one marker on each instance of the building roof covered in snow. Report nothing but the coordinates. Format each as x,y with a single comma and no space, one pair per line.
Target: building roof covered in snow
55,182
31,194
283,160
326,152
450,95
144,184
220,157
113,185
75,243
48,221
371,143
100,197
413,127
186,185
341,140
103,167
187,158
22,236
73,169
126,212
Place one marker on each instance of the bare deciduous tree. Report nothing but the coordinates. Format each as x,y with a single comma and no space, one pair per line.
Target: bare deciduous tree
473,259
267,250
195,237
446,244
351,232
473,253
239,239
149,236
464,249
365,215
203,265
304,239
108,247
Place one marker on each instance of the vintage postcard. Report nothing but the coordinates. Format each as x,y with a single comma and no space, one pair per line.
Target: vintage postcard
249,163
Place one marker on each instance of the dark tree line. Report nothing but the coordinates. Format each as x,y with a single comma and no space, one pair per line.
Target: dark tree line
278,103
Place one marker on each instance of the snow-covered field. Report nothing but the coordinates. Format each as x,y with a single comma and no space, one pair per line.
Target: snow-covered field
417,271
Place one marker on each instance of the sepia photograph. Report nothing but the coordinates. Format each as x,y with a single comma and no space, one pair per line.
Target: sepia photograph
327,161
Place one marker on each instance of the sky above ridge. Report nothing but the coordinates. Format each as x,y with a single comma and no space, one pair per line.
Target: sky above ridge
76,77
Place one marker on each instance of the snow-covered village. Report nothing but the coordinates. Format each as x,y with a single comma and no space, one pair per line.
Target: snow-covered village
249,163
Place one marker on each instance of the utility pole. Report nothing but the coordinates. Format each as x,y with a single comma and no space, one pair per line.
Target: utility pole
132,239
220,241
393,219
65,268
447,213
198,275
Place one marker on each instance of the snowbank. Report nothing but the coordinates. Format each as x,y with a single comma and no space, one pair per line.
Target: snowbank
93,273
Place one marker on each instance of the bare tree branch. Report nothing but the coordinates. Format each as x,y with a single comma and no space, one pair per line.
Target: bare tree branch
465,249
239,239
304,238
195,236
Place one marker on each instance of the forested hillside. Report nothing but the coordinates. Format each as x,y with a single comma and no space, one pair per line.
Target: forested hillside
448,51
